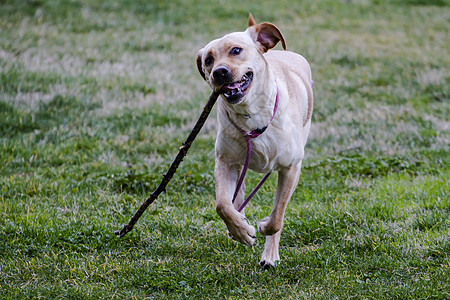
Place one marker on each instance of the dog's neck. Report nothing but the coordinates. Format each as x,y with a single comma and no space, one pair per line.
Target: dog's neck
254,114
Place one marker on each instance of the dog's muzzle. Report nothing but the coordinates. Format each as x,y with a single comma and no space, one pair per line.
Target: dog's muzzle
232,91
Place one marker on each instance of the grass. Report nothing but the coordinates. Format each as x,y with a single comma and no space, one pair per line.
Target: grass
97,96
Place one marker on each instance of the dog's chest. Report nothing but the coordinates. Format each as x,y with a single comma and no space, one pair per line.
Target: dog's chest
262,156
270,152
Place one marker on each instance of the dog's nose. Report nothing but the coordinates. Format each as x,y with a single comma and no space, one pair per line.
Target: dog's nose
221,75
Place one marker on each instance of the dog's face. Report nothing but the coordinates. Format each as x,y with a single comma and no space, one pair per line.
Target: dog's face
232,64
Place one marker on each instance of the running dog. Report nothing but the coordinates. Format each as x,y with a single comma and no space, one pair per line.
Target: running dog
266,96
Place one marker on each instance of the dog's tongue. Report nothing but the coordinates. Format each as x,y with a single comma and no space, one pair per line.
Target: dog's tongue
232,89
233,86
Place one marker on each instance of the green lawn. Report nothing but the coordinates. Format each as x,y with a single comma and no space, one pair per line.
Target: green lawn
97,96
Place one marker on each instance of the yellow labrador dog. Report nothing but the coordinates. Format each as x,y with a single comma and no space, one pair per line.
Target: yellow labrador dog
265,105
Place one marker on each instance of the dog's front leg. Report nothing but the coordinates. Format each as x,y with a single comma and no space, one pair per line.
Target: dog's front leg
270,254
226,177
272,226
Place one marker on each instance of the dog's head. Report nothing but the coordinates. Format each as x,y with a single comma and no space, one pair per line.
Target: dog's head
231,65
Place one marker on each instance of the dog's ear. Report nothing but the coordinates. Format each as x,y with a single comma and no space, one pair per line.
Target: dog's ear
251,20
199,64
266,36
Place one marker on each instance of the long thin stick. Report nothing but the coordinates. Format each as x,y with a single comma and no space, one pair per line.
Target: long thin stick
173,167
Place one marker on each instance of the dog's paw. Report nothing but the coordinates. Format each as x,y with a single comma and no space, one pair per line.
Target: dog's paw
266,264
242,232
265,227
268,258
262,226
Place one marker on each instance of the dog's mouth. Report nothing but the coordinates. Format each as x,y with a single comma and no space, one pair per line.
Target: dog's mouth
233,92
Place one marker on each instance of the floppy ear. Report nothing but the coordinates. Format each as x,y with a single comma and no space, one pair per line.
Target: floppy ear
251,20
199,64
266,36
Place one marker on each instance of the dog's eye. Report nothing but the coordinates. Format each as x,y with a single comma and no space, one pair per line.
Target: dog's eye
236,51
208,61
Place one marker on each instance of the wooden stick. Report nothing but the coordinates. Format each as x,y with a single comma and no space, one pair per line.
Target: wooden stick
173,167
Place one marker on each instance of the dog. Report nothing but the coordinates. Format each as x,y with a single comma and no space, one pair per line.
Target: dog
265,91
